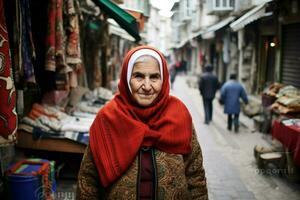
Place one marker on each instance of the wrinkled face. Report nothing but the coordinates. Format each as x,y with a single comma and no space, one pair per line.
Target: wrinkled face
145,81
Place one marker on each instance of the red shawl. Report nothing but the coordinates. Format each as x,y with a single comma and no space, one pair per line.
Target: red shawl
122,127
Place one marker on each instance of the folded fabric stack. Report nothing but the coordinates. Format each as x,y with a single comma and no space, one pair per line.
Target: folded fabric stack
273,89
289,90
86,101
269,94
52,121
288,101
45,121
291,122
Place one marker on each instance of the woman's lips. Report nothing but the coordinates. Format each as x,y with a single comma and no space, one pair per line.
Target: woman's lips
145,95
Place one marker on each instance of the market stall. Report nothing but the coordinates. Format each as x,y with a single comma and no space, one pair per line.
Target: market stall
54,76
49,127
282,114
288,133
286,117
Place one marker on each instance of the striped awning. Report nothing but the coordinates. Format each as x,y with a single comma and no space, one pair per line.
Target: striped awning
122,17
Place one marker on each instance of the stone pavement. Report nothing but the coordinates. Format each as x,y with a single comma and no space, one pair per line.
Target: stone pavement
230,166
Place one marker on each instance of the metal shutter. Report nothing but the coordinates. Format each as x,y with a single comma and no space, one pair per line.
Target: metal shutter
291,54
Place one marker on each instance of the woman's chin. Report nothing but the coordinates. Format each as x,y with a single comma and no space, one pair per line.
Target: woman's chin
144,102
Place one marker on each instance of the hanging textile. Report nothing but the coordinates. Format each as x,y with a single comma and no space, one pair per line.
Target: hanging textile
12,16
28,52
73,52
17,43
59,35
8,116
55,54
51,36
63,42
72,29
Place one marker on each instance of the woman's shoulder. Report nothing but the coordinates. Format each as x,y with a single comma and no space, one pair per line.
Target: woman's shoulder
173,99
175,102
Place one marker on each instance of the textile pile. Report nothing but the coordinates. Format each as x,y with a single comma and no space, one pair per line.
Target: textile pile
72,122
288,101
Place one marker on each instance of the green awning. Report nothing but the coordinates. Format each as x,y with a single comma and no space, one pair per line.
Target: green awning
123,18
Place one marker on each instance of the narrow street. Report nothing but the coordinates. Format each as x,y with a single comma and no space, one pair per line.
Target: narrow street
230,166
95,73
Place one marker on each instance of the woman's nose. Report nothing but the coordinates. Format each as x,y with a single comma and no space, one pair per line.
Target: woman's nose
147,84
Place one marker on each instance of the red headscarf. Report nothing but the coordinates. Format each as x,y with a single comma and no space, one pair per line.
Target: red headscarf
122,126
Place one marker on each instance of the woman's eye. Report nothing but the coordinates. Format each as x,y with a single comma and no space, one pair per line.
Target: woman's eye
138,76
155,77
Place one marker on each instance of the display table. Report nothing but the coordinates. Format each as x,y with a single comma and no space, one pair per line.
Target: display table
26,141
289,136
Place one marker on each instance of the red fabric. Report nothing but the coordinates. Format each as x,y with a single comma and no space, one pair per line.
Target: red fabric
122,127
8,116
50,41
289,136
38,110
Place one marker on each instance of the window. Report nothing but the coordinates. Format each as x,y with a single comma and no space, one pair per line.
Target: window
223,4
186,9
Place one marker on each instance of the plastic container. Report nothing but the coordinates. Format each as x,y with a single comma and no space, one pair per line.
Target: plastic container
24,180
23,187
52,171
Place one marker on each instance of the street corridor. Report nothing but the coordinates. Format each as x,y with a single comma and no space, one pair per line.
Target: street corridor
231,170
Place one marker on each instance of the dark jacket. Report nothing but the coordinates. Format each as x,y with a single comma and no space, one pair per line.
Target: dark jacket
208,85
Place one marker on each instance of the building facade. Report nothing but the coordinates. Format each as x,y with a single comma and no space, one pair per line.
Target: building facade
256,39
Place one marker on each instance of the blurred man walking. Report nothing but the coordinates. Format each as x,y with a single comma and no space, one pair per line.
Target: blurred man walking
208,85
231,92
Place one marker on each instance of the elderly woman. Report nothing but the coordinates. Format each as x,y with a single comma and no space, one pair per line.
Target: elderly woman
142,143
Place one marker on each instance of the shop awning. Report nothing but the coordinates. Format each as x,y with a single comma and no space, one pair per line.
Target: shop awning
198,33
191,39
115,29
210,31
251,16
123,18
